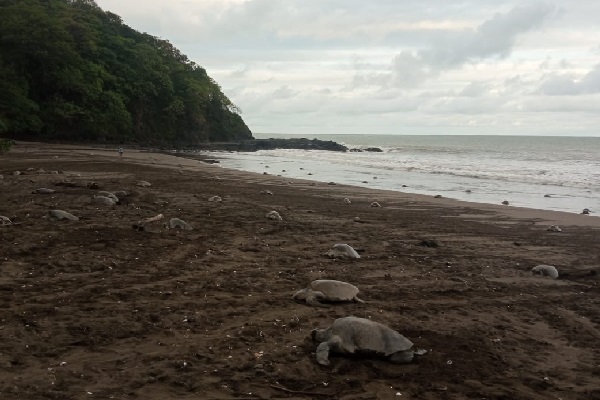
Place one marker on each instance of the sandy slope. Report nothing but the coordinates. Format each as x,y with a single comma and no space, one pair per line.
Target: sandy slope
95,309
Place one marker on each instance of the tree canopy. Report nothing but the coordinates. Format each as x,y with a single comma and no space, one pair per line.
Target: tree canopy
71,71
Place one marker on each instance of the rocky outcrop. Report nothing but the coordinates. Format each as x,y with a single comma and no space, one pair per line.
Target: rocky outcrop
272,144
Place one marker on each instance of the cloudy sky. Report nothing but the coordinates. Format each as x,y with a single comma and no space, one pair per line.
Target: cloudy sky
391,66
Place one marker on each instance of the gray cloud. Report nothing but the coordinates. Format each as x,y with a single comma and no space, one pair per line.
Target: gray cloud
565,85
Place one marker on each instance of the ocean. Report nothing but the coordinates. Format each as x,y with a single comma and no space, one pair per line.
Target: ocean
551,173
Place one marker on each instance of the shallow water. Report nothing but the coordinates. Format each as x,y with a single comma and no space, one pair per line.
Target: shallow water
487,169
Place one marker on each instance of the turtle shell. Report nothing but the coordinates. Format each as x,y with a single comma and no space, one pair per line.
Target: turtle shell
335,290
364,335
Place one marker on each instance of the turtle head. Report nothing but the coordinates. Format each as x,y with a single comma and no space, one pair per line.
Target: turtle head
301,294
320,335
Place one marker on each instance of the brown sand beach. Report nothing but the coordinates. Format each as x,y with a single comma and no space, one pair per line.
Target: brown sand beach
94,309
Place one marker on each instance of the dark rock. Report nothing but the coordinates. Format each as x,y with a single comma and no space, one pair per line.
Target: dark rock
272,144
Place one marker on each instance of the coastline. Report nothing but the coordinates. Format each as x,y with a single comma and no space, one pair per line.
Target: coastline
164,313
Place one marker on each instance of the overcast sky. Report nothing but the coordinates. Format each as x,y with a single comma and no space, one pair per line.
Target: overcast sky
391,66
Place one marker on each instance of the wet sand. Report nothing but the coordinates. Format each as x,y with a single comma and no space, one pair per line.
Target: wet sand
95,309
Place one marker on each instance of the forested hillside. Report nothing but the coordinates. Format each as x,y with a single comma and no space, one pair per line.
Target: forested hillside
71,71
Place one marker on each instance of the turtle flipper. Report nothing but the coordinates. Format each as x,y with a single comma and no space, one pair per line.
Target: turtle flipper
313,299
402,357
323,353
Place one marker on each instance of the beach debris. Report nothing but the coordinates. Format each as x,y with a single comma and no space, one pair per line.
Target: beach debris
215,199
54,172
60,215
5,220
437,196
266,192
353,335
17,173
327,290
505,202
176,223
144,184
274,215
586,211
554,228
545,270
1,176
375,204
265,173
310,173
547,195
342,250
429,243
44,191
365,182
30,169
468,191
92,185
404,185
331,183
103,200
346,201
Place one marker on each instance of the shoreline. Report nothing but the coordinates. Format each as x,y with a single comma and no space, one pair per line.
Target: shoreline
94,306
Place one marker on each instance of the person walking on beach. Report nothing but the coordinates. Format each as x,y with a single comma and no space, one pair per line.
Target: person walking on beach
120,151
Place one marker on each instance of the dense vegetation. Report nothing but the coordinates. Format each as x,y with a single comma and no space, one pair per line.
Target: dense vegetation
71,71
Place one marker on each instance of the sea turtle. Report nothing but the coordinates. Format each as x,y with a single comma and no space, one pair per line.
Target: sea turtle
144,184
586,211
327,290
176,223
102,200
546,270
44,191
342,250
346,201
266,192
353,335
121,193
554,228
110,195
215,199
5,220
60,215
505,202
274,215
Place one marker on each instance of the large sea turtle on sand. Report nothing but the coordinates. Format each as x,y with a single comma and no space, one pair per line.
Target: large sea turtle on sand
342,250
327,290
546,270
176,223
353,335
60,215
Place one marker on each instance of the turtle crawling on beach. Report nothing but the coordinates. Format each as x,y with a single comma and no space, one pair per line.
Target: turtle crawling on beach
546,270
342,250
110,195
104,201
327,290
60,215
176,223
44,191
274,215
353,335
